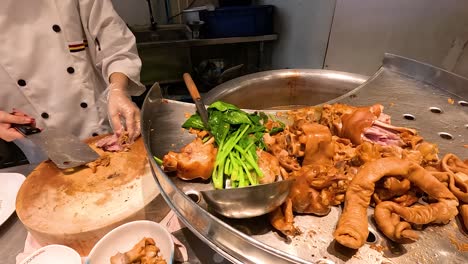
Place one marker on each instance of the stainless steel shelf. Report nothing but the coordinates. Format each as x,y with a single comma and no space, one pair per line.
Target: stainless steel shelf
207,42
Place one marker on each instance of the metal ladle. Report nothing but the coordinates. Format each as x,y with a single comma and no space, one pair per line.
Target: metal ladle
244,202
251,201
201,108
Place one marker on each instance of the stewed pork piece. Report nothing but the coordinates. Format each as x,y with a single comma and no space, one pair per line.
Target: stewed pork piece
312,191
270,167
278,146
464,214
454,172
392,219
144,252
322,179
361,124
344,141
195,160
282,218
114,143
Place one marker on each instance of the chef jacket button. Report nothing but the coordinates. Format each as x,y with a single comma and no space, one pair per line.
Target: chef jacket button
45,115
95,134
83,105
70,70
56,28
21,82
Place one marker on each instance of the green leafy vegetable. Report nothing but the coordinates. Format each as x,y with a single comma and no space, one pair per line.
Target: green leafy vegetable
158,160
263,116
276,130
194,121
238,135
236,117
222,106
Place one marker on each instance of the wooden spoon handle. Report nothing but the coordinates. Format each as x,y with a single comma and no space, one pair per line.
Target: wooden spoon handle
191,87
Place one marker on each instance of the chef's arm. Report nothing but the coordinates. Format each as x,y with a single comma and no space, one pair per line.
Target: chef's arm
116,55
120,79
8,133
113,43
121,108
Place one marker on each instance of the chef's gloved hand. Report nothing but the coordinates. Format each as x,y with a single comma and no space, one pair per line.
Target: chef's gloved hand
8,133
123,113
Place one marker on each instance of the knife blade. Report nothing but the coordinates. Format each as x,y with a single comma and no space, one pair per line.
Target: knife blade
65,150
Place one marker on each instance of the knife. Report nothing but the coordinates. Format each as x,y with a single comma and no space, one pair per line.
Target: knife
65,150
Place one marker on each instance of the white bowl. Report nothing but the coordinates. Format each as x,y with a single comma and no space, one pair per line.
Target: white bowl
124,237
53,254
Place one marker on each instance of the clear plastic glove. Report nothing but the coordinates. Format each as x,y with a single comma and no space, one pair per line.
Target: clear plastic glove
8,133
123,113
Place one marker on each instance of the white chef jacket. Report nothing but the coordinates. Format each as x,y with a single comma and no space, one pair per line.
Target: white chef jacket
56,57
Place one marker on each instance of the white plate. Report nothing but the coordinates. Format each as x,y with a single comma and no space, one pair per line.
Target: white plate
53,254
124,237
9,186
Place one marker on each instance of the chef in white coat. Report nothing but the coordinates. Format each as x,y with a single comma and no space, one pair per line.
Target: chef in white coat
68,64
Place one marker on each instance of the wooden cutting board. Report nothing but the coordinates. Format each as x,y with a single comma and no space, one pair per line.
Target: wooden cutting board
77,208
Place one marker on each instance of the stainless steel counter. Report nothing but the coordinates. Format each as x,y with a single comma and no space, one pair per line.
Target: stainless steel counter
13,234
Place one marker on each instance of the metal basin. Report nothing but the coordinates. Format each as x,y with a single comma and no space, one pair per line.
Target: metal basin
249,240
285,89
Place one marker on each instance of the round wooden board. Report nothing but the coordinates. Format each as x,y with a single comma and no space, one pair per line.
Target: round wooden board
77,208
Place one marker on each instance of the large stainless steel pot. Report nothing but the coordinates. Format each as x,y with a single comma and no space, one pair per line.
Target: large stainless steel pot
161,130
285,88
404,86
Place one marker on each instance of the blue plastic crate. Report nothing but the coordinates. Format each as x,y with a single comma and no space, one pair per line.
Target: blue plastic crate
223,3
239,21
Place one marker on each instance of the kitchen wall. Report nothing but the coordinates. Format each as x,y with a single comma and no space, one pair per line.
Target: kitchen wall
303,27
349,35
136,12
432,31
